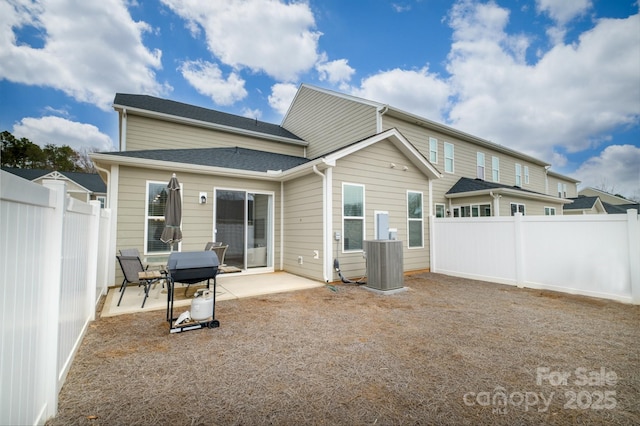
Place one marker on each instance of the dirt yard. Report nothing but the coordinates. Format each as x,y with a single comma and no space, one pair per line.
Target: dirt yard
447,351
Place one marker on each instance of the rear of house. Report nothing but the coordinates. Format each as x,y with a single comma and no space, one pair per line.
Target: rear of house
298,196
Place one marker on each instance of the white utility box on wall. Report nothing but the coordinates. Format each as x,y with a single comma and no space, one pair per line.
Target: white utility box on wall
384,264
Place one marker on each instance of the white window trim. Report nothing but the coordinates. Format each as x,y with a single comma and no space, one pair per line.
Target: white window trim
526,175
363,217
480,165
495,171
524,208
549,209
444,209
559,189
432,149
453,154
421,220
147,217
518,175
478,206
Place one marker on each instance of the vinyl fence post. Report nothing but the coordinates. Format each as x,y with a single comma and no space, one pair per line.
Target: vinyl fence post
52,291
519,255
432,245
93,239
633,226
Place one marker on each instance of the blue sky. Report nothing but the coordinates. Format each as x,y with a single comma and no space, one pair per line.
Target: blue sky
558,80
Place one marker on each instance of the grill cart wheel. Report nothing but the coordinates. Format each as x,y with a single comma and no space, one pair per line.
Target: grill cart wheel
214,324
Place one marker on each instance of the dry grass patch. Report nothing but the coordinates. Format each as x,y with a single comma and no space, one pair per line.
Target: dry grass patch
426,356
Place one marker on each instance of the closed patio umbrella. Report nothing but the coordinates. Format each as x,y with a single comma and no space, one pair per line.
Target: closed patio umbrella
172,214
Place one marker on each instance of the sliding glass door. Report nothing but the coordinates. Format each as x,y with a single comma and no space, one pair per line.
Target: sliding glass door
244,222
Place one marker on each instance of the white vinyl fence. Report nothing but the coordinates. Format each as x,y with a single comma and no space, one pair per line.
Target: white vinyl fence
592,255
51,283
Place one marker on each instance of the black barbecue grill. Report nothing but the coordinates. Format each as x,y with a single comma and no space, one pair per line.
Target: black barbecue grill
191,268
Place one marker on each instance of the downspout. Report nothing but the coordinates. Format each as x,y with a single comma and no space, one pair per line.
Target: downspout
281,225
325,254
123,131
381,111
496,203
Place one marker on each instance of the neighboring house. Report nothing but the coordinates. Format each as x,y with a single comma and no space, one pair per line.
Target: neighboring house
613,204
585,205
81,186
294,197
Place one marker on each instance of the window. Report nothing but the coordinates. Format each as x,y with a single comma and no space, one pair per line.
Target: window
154,217
564,190
415,219
433,150
480,210
448,157
495,166
440,210
103,201
550,211
352,217
517,208
480,165
559,190
518,175
526,175
465,211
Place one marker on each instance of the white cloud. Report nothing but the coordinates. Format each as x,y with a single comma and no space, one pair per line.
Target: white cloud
562,12
281,97
617,166
60,131
415,91
573,97
263,35
91,50
336,72
252,113
565,10
207,79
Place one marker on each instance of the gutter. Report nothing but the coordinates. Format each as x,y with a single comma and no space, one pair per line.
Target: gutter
381,110
514,192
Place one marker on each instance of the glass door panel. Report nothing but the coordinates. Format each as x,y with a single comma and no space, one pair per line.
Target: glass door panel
258,230
230,225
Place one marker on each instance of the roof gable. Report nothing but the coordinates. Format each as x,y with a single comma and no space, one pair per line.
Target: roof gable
90,181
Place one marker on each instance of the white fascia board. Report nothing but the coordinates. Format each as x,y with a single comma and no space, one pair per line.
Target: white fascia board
208,125
399,142
559,176
509,191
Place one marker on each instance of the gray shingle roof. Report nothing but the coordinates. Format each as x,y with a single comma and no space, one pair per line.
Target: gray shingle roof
620,208
581,203
179,109
91,181
470,185
231,158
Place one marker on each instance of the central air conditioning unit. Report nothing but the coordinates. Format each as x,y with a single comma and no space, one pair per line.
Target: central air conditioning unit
384,264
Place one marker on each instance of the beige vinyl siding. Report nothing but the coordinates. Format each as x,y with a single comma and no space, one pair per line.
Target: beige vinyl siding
572,190
328,122
197,219
148,133
385,190
303,226
465,160
532,207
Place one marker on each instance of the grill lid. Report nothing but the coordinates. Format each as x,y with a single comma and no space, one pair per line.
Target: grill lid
192,260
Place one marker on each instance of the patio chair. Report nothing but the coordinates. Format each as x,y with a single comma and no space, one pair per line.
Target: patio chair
212,244
134,272
220,252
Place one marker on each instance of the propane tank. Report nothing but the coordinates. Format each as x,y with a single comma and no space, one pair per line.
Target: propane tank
202,305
